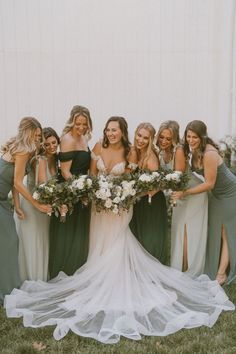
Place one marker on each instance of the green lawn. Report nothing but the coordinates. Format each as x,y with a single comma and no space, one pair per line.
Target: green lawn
221,339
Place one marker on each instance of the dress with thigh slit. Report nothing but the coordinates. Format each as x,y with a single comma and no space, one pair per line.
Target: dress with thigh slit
222,211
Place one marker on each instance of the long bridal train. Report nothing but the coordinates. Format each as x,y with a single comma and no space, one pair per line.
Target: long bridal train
120,291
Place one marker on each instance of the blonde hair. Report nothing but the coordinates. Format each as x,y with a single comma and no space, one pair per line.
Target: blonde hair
75,113
173,127
24,140
151,147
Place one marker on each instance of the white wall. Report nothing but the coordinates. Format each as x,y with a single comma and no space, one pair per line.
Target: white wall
148,60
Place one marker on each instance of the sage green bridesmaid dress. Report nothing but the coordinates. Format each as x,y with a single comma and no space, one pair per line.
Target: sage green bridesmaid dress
9,271
222,211
69,241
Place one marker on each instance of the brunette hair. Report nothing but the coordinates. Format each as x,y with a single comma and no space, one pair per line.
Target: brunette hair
48,132
199,128
124,130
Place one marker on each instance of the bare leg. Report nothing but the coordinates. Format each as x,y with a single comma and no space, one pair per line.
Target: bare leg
185,251
224,258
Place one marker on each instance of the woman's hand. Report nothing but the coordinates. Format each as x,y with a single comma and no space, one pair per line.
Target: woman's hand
20,213
177,195
44,208
63,209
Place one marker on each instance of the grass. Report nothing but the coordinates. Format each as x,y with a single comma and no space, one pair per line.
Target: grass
221,339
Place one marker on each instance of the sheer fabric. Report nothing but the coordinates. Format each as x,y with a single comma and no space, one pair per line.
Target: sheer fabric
120,291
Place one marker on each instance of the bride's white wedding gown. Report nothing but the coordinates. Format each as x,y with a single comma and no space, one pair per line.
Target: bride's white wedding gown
120,291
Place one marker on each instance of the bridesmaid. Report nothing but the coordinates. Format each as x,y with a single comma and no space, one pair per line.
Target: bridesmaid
33,231
149,221
221,243
13,165
189,218
68,248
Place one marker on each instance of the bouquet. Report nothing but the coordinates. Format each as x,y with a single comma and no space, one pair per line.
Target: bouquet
147,181
174,181
44,193
114,193
66,193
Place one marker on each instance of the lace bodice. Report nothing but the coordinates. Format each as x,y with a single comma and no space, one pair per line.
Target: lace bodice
117,169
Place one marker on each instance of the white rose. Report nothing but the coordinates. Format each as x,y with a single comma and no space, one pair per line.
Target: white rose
144,178
36,195
155,174
116,200
89,182
115,210
133,192
108,203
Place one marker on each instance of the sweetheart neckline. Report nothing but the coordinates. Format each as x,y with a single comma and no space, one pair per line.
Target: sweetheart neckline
109,172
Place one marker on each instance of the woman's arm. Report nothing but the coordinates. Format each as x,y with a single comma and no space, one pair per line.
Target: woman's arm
18,210
179,160
20,165
67,144
93,171
210,164
132,160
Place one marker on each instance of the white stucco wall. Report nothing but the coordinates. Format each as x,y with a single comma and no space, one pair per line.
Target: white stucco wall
148,60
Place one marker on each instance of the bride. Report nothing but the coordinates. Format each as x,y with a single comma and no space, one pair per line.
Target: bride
121,290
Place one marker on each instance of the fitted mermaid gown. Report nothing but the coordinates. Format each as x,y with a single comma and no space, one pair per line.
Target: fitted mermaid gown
120,291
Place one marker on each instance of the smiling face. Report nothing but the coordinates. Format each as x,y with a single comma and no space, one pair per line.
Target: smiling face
80,126
50,145
37,136
165,139
113,132
193,140
142,139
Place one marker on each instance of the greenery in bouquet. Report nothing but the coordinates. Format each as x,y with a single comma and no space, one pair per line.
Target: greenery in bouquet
56,194
82,188
147,180
113,193
228,150
174,180
45,193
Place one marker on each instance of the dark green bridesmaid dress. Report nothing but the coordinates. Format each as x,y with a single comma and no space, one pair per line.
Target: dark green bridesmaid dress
9,270
149,225
69,241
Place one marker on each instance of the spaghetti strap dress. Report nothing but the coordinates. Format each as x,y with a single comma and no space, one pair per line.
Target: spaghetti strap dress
222,211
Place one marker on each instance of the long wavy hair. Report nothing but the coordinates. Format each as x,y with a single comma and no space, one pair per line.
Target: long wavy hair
124,130
24,140
173,127
199,128
151,147
76,112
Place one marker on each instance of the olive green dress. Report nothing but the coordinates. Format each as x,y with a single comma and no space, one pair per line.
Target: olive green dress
9,270
69,241
149,225
222,211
